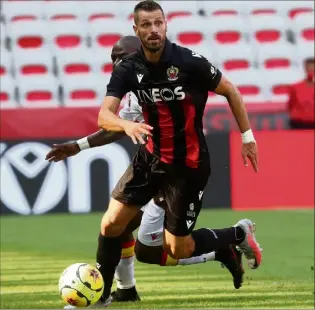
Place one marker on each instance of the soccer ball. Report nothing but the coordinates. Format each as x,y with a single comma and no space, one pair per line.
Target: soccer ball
81,285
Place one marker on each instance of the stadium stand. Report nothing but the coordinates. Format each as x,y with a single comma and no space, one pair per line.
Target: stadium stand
48,48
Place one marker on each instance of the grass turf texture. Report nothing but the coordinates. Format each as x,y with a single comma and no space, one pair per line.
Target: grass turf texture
35,250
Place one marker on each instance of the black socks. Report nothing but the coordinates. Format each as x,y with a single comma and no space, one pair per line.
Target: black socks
208,240
107,258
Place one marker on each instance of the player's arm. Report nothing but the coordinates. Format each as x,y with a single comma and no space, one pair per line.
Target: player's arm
61,151
107,118
211,79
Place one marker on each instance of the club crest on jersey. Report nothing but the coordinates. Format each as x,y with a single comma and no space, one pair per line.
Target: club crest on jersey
172,73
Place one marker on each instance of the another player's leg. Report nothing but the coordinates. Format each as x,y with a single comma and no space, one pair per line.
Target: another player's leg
124,275
149,247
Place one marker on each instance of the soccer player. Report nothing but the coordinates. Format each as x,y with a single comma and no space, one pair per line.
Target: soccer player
150,237
171,84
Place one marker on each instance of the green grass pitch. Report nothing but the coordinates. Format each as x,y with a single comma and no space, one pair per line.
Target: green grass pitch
35,250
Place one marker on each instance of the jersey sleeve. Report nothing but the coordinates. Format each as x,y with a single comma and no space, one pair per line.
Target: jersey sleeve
204,73
119,84
131,110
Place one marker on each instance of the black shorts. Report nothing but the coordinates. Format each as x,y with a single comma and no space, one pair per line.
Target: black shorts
180,188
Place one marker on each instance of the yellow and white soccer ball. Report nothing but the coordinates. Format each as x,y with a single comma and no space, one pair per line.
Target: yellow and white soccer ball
81,285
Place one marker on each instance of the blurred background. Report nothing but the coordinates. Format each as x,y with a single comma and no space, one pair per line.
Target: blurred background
55,65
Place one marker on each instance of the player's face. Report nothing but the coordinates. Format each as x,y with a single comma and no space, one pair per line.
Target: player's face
151,29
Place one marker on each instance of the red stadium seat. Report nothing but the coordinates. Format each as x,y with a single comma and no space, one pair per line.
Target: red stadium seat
33,62
278,80
75,61
281,55
67,34
267,29
7,92
28,34
296,8
5,62
249,83
38,91
236,57
99,10
83,90
62,10
173,10
221,8
103,61
226,29
303,27
15,11
105,33
188,31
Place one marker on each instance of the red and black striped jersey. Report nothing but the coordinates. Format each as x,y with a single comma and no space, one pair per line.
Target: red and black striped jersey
173,94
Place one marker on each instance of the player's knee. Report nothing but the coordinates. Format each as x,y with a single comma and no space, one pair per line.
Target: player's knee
110,227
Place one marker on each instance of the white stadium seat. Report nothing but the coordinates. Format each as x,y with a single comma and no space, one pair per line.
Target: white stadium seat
235,57
303,27
173,10
3,34
5,62
7,92
279,55
67,34
33,63
94,10
226,29
15,11
222,8
189,31
249,83
305,50
28,34
75,61
265,29
82,90
277,82
126,9
38,91
105,33
62,10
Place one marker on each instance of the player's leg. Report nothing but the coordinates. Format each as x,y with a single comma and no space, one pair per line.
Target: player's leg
124,275
183,197
133,190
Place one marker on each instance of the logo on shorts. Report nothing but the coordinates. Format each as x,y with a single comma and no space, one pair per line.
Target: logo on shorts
189,223
172,73
200,195
154,236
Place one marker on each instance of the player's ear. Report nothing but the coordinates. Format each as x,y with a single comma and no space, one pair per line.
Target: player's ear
135,29
165,26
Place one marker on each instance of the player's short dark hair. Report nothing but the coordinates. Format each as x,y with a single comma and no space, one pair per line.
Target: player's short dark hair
148,6
309,60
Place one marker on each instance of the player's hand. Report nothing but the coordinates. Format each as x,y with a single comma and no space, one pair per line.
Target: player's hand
62,151
250,151
136,131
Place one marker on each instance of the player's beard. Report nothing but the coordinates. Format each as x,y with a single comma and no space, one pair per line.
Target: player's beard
151,47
